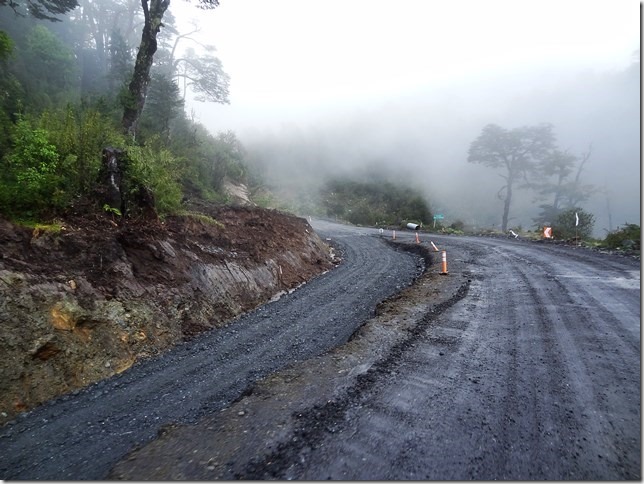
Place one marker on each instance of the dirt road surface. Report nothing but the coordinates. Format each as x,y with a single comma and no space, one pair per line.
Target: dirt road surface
81,436
522,363
534,375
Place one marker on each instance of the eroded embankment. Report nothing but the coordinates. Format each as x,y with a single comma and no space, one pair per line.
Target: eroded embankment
87,302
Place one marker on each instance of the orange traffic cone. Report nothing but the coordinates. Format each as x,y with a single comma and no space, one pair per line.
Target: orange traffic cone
444,263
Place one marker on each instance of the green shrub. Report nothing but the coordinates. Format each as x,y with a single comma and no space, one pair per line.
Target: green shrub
30,180
373,202
159,171
54,227
628,237
564,226
451,230
206,219
458,225
80,136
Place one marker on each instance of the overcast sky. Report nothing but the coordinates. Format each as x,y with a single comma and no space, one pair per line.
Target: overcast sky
289,58
323,87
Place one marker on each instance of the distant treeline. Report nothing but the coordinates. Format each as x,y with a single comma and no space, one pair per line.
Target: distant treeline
375,202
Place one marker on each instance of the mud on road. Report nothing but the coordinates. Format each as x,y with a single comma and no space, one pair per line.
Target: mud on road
523,363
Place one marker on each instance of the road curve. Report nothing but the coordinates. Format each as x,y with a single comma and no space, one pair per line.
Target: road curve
81,436
535,375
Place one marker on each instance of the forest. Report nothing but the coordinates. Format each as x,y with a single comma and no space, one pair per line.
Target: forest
67,91
56,125
78,77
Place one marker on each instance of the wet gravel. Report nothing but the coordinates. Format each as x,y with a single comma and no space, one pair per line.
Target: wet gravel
533,375
522,364
82,435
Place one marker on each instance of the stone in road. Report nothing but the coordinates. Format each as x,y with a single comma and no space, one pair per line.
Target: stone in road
532,371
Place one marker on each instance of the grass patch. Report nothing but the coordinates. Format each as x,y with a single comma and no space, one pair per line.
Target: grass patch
54,227
206,219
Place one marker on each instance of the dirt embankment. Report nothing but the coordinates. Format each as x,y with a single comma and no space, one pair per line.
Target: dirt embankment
85,303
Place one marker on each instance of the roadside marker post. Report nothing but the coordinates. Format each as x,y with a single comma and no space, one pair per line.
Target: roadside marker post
394,237
434,246
444,263
417,239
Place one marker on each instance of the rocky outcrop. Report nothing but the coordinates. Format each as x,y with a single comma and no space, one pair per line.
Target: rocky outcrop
86,302
237,193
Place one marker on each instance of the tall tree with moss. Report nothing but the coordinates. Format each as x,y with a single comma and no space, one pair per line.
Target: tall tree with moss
153,12
515,151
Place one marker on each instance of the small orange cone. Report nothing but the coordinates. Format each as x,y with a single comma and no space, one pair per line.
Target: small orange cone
444,263
417,239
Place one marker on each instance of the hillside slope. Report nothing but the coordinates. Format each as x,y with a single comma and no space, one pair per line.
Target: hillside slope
87,302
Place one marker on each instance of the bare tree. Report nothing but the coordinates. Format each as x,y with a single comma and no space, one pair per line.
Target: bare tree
203,73
516,151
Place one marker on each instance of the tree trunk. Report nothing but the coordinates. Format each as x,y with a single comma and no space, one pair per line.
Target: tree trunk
138,87
506,205
111,179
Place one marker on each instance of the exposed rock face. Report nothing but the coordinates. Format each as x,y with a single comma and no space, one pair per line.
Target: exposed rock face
87,302
238,193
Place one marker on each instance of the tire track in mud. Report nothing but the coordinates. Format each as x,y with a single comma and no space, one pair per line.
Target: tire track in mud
572,335
554,408
585,335
315,422
573,372
537,393
540,380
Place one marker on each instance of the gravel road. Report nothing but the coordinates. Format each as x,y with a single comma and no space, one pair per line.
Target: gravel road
534,375
522,364
81,436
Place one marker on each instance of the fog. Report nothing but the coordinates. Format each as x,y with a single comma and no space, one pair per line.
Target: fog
352,87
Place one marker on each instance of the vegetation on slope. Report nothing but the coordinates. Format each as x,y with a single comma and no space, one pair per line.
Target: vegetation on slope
62,98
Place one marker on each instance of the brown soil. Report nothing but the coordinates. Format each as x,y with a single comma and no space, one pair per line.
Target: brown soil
84,303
